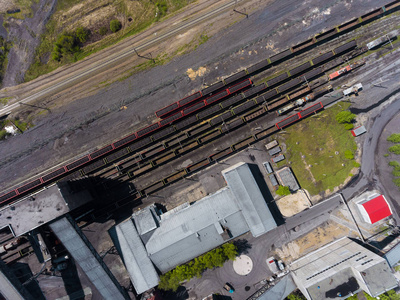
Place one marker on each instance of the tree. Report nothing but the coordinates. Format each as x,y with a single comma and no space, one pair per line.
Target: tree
348,154
82,34
345,117
115,25
103,30
283,190
65,43
348,126
394,138
230,251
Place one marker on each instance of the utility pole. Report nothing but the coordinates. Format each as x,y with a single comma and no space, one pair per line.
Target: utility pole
141,56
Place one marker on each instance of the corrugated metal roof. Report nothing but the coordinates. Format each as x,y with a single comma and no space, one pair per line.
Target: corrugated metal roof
377,209
287,178
140,268
393,255
280,290
97,272
145,219
359,130
249,198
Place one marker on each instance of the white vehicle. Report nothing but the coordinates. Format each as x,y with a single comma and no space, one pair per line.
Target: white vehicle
281,265
272,265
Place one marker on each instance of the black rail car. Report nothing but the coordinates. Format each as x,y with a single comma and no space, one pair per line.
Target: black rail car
300,68
258,66
147,129
140,144
235,77
7,196
371,14
243,107
221,118
266,96
94,166
208,112
290,84
303,45
311,109
101,152
216,97
125,140
186,122
171,119
189,99
350,24
345,47
255,90
326,34
279,56
288,121
211,89
29,186
231,125
239,86
322,58
167,110
277,79
77,163
53,174
193,108
314,73
163,133
231,101
201,128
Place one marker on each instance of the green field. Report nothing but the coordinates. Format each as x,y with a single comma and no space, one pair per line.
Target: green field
316,150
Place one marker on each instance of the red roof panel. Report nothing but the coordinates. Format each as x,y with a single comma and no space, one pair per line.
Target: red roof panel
377,209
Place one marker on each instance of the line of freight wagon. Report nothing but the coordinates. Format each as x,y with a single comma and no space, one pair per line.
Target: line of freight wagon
346,27
284,55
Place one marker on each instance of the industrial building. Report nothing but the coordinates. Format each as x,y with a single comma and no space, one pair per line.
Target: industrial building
341,269
286,178
149,240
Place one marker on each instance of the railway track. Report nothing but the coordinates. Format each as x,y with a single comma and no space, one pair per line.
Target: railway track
142,138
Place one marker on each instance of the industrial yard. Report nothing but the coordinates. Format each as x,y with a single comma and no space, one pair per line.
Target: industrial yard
271,108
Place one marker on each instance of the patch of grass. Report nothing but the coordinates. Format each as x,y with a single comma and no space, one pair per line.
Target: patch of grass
4,100
385,155
356,164
144,15
317,139
21,125
3,134
394,138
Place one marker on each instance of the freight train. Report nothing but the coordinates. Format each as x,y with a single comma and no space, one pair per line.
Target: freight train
143,135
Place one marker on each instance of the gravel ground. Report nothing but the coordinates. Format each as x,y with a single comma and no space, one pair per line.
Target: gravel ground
68,132
25,36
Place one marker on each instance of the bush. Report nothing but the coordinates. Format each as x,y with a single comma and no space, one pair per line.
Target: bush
394,138
385,155
103,30
82,34
348,126
65,43
161,9
345,117
397,181
356,164
394,164
283,190
214,258
348,154
115,25
395,149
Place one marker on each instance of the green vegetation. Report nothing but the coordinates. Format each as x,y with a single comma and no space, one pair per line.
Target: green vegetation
296,295
396,171
348,126
4,49
115,25
356,164
82,34
144,13
214,258
283,190
394,138
69,43
316,148
395,149
4,100
345,117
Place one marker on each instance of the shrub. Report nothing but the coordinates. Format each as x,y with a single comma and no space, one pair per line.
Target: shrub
345,117
82,34
394,164
395,149
214,258
385,155
397,181
65,43
348,126
115,25
283,190
348,154
356,164
394,138
161,9
103,30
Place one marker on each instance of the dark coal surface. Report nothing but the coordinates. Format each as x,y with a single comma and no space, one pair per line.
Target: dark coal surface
86,124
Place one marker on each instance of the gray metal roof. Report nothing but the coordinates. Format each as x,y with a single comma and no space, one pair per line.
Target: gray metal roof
287,178
280,290
359,130
90,263
333,268
393,255
146,219
191,232
140,268
249,198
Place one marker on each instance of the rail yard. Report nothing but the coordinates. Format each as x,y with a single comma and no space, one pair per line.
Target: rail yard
204,129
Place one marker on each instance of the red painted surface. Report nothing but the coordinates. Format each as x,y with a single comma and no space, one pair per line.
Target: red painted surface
377,209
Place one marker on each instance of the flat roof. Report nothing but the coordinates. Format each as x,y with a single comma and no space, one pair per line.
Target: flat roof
41,207
248,197
286,177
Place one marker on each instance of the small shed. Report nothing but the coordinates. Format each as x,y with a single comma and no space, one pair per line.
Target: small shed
271,144
278,158
274,182
274,151
358,131
374,208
